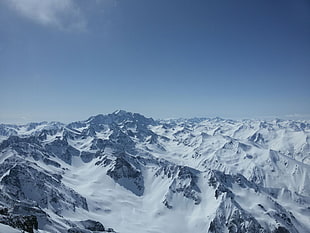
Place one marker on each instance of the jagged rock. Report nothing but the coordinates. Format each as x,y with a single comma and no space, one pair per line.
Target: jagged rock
61,149
4,211
281,230
89,226
167,170
231,218
25,223
25,182
127,175
131,148
26,147
110,230
51,162
24,209
92,225
257,138
184,182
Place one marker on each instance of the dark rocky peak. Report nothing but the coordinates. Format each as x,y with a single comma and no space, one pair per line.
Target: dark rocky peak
120,117
131,124
130,120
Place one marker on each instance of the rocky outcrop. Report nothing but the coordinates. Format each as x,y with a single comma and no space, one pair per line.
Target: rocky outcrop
184,182
24,181
61,149
27,223
231,218
176,156
92,225
89,226
127,175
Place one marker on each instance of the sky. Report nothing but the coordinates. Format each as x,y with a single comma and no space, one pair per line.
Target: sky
65,60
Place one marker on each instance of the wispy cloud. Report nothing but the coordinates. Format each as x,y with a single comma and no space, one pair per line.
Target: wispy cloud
63,14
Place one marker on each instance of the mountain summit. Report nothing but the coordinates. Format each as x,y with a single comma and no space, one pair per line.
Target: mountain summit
124,172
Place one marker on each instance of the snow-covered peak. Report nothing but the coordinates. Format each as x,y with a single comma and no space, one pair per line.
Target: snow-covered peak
137,174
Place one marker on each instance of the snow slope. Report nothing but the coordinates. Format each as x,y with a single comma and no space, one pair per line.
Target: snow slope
135,174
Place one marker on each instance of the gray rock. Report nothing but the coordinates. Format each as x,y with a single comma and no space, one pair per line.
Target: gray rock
127,175
92,225
27,182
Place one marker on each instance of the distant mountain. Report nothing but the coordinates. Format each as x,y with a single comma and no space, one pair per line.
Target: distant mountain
124,172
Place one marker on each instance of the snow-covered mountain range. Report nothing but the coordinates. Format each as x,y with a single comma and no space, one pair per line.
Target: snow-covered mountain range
123,172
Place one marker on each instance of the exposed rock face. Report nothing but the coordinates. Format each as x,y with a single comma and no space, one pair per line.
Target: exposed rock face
26,182
27,189
26,209
26,223
92,225
236,220
184,182
236,176
61,149
89,226
231,217
126,175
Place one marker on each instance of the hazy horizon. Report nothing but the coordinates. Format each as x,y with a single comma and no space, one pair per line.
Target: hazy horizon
67,121
66,60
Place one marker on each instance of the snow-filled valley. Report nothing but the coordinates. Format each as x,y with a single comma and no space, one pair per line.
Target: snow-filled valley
123,172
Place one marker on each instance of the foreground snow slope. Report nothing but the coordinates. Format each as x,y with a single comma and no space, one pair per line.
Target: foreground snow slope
135,174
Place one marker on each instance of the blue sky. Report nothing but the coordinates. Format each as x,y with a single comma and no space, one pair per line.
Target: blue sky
65,60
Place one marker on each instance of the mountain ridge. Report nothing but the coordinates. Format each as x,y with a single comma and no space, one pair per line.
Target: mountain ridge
210,174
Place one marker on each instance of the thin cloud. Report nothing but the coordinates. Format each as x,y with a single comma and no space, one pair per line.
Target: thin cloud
63,14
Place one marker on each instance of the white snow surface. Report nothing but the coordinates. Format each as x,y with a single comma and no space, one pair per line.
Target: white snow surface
272,154
8,229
